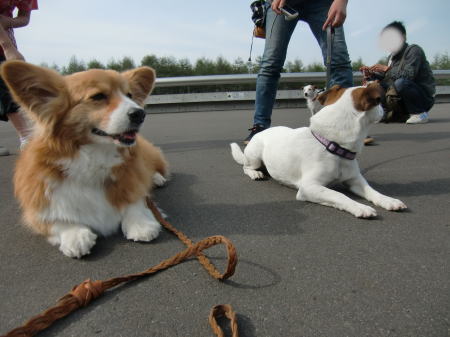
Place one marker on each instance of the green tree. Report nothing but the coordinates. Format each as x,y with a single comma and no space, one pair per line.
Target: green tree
239,66
357,64
95,64
185,68
74,66
295,66
150,61
315,67
204,66
441,61
114,65
127,63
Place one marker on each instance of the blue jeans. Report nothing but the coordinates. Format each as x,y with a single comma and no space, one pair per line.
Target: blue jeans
278,35
413,96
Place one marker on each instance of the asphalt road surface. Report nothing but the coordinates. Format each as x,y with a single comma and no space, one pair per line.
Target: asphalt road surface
304,269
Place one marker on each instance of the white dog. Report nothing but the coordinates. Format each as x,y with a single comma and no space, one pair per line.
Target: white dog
310,158
311,92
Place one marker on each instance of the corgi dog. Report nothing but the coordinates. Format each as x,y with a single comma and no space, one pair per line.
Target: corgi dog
85,171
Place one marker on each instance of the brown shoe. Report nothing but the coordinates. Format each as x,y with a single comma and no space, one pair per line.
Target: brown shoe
369,140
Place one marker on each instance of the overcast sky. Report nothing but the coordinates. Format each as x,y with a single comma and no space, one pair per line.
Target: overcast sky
106,29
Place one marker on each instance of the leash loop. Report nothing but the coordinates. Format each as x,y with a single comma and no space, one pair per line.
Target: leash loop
226,311
84,293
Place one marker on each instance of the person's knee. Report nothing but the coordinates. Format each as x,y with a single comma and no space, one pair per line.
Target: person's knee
271,68
401,85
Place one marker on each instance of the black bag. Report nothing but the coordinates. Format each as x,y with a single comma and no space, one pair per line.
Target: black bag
259,18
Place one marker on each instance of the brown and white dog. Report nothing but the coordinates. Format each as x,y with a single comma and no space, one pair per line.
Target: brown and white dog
85,171
310,158
311,94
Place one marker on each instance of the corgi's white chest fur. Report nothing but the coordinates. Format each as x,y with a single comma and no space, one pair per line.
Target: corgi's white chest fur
80,198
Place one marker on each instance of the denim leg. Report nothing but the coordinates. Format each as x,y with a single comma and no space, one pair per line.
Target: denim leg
278,34
315,15
413,96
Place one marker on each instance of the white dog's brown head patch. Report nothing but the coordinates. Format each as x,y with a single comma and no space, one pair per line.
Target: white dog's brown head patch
331,95
366,98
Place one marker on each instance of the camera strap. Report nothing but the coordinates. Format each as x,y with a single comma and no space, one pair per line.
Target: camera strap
330,41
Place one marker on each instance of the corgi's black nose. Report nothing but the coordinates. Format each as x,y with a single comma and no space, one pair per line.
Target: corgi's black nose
136,115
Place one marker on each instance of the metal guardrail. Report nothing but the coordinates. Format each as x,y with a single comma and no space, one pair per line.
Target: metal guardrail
232,100
315,77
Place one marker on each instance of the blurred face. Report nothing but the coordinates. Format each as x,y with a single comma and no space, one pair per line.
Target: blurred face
391,40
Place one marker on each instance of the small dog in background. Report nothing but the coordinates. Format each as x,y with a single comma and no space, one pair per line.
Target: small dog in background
311,92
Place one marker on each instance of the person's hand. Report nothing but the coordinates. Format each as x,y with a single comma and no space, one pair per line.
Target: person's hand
4,21
336,14
13,54
276,4
379,68
364,68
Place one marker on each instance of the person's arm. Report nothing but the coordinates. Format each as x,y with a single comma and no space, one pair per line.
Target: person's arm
21,20
9,49
336,14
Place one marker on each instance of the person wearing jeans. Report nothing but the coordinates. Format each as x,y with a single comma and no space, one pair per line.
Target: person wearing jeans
318,14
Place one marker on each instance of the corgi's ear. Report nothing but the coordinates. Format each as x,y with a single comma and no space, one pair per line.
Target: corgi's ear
141,81
40,91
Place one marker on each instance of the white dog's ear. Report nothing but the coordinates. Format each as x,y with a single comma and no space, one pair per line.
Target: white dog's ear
141,81
367,98
331,95
40,91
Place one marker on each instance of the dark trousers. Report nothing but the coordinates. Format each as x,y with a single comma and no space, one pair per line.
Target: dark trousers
413,96
7,105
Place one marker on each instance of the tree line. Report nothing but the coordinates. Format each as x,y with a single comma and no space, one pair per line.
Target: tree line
169,66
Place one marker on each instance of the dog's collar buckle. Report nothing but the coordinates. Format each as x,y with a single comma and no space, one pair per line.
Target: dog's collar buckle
335,148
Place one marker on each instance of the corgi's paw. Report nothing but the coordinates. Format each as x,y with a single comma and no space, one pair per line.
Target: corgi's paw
141,229
74,241
159,180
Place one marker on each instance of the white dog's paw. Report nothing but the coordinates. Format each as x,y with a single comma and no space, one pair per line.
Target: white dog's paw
363,211
391,204
159,180
253,174
144,230
75,242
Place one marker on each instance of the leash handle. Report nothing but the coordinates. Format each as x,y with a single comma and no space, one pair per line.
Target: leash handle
330,41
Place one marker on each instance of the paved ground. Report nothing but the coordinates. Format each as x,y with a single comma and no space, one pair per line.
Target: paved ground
304,270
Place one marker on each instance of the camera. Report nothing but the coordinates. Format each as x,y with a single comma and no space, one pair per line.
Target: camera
289,12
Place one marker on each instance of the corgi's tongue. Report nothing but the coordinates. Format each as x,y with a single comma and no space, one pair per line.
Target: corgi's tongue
126,138
130,135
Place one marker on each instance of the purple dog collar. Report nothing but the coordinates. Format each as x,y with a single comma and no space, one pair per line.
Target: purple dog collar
335,148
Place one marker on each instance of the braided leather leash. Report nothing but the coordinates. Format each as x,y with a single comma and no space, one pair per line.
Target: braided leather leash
82,294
